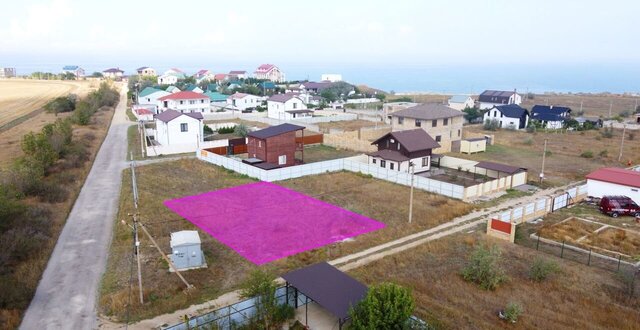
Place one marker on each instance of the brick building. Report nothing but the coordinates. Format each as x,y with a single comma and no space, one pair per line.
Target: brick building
275,146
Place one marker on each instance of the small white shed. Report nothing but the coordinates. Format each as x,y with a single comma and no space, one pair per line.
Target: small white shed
186,251
614,181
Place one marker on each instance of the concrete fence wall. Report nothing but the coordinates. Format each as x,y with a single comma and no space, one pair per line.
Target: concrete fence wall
356,140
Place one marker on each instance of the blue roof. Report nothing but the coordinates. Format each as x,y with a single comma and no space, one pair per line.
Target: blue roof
216,97
149,90
268,85
549,112
70,67
511,110
459,98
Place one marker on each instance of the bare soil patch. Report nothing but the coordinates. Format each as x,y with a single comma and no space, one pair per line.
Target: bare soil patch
569,230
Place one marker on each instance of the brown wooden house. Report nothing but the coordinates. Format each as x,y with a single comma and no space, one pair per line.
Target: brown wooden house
275,146
396,150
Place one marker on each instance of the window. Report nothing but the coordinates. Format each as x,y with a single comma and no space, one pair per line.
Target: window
184,127
282,159
259,144
383,163
445,121
295,105
425,161
434,123
418,123
458,133
202,101
398,146
374,160
391,165
438,138
192,101
181,102
400,120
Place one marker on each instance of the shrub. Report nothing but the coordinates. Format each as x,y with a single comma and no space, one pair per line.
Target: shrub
261,286
207,130
386,306
484,269
26,176
607,132
226,130
631,136
541,269
52,192
528,140
512,312
491,125
62,104
625,113
604,153
241,130
587,154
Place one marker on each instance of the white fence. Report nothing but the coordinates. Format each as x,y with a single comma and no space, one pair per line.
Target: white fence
153,151
348,164
326,119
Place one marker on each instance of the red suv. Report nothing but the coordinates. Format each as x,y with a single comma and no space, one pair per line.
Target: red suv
619,205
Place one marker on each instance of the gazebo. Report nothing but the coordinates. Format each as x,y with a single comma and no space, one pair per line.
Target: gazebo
330,288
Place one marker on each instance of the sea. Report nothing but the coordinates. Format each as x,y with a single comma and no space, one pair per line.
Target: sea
417,78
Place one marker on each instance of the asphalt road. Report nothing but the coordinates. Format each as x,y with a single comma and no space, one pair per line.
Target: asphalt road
67,294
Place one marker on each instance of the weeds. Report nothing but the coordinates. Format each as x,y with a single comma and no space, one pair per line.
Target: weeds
541,269
483,268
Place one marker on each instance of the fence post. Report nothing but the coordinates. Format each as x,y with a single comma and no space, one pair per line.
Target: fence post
619,257
562,251
538,243
589,261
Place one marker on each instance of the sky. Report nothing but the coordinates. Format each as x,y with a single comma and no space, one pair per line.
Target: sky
322,33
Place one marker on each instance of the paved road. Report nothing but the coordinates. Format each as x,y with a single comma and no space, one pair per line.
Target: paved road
67,294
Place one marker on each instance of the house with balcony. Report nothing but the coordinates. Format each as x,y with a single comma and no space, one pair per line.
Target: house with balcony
438,120
287,107
491,98
185,102
269,72
400,150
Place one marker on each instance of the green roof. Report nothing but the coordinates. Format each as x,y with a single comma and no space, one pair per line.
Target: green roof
216,96
149,90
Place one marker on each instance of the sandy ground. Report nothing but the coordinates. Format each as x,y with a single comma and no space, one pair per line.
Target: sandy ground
22,97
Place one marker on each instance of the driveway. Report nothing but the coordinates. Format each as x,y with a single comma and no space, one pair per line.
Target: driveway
67,294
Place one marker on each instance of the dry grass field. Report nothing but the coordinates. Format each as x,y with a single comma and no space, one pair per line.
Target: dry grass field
579,297
592,104
383,201
348,125
19,98
564,163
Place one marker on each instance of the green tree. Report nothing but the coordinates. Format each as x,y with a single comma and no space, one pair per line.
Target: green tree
483,268
241,130
386,306
61,104
329,95
381,97
472,114
261,286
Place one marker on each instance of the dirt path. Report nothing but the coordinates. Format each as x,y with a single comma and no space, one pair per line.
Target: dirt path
67,293
467,222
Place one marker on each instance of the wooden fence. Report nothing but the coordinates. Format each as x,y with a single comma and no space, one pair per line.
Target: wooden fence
310,139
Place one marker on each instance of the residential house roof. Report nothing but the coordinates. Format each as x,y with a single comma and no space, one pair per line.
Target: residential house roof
316,85
282,98
202,72
549,112
70,67
184,95
459,98
113,70
185,237
169,115
142,111
191,87
172,88
268,85
142,68
236,72
500,167
220,76
265,68
616,175
275,130
428,111
511,110
148,91
237,96
388,154
412,140
493,96
216,96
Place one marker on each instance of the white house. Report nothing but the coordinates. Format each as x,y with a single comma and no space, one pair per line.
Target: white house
510,116
150,95
238,74
549,116
269,72
143,114
242,101
176,128
460,102
113,73
332,77
490,98
146,71
172,89
287,107
185,102
167,79
74,69
186,252
614,181
397,150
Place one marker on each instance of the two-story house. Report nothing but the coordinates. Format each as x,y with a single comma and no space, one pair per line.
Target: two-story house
151,96
176,128
441,122
397,150
490,98
549,116
275,146
509,116
269,72
243,101
287,107
185,102
113,73
146,71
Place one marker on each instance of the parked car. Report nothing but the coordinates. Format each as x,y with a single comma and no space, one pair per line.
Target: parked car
619,205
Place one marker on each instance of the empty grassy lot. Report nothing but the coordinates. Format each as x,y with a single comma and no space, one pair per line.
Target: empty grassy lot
579,297
320,152
385,202
592,104
564,163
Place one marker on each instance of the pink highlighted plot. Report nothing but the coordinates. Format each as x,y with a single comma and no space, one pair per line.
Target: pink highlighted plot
264,222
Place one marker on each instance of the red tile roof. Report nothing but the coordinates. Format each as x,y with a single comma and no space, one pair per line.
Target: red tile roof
265,68
144,112
184,95
220,76
616,175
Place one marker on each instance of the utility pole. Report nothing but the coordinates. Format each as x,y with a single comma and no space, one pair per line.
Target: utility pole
173,267
544,155
581,106
134,189
411,166
624,129
610,107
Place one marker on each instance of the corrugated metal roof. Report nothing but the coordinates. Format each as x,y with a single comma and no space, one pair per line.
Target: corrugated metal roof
388,154
184,95
500,167
169,115
511,110
185,237
616,175
493,96
412,140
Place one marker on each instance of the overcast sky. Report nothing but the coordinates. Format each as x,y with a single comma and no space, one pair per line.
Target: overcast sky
384,32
